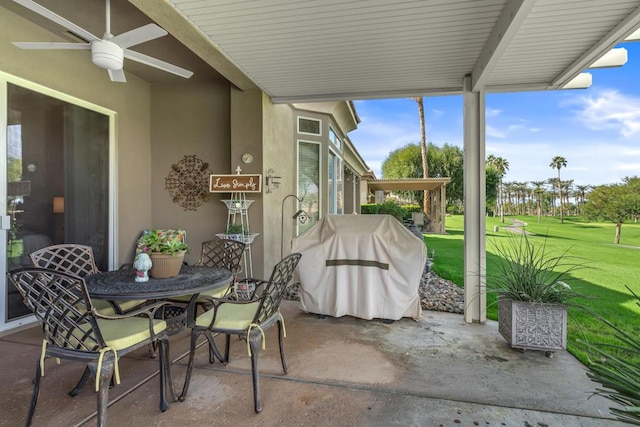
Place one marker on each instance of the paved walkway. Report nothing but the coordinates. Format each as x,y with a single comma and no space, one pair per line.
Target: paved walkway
517,227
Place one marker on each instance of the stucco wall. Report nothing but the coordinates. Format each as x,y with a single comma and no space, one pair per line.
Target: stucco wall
279,152
189,119
247,137
72,73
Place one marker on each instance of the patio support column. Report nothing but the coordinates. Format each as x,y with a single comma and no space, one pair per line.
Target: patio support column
474,204
443,208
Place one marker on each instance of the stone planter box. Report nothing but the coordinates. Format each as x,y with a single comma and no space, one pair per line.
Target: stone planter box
534,326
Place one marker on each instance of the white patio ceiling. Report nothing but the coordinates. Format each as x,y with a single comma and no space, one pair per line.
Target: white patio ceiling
318,50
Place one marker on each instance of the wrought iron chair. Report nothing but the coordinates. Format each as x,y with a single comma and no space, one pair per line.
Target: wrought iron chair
247,319
74,330
221,253
79,261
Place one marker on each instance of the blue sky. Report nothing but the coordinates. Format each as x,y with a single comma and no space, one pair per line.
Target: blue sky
597,129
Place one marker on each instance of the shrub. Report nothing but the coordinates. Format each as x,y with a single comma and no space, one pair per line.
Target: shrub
388,207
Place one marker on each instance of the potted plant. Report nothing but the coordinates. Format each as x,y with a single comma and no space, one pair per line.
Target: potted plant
533,293
236,231
166,248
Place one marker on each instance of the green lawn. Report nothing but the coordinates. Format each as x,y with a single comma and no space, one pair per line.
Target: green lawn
611,268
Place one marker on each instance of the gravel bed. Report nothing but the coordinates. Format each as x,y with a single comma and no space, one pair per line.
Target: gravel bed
436,294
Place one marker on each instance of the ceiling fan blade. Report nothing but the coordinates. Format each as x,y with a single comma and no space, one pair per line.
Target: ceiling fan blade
52,45
117,75
138,35
40,10
157,63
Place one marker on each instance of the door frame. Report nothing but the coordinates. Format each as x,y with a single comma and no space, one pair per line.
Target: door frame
6,79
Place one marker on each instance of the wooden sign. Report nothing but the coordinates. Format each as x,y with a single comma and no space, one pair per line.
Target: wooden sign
235,183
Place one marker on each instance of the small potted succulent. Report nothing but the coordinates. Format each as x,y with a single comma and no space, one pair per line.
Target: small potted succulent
166,248
236,231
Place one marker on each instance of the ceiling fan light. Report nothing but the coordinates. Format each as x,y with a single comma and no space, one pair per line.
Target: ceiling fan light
107,55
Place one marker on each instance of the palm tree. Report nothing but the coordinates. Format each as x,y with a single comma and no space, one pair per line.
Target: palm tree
559,162
502,166
581,190
522,193
552,187
538,189
567,188
423,150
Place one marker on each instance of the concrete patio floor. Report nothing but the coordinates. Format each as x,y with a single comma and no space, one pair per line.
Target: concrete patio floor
344,371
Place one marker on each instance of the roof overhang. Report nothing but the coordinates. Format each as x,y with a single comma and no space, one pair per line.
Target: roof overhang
412,184
298,51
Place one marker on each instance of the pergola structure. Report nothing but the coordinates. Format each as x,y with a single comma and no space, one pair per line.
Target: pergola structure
314,51
437,194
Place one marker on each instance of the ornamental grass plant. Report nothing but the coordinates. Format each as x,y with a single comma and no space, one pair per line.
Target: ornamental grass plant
527,271
612,365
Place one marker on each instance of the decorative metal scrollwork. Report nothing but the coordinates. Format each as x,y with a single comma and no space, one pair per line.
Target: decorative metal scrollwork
188,182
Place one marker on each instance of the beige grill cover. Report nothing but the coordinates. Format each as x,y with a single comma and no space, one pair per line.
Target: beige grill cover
367,266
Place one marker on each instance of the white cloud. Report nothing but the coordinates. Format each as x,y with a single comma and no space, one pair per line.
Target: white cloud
610,109
632,167
496,133
534,130
492,112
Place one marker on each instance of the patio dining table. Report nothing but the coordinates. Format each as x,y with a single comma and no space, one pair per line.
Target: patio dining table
118,285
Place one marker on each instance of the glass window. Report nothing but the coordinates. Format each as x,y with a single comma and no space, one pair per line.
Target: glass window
309,126
336,184
309,182
335,139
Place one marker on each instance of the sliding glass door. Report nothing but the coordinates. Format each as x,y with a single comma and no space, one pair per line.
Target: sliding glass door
57,156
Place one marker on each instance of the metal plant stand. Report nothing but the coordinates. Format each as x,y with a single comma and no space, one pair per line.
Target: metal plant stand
238,213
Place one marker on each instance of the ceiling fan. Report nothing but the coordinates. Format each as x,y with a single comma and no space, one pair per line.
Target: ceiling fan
109,51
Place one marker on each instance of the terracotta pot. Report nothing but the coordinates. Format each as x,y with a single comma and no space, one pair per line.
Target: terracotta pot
165,265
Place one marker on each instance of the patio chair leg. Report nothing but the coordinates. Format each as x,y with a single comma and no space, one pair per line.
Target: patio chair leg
192,356
213,348
162,360
169,373
103,394
35,394
255,342
81,383
227,345
283,357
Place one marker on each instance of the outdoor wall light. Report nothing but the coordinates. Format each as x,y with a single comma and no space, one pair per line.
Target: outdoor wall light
272,182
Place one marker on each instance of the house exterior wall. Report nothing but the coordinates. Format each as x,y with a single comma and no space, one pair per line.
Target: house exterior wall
279,153
189,119
76,76
157,125
246,124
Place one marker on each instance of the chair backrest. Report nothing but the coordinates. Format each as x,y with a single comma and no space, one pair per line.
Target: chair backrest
274,289
59,301
67,258
223,253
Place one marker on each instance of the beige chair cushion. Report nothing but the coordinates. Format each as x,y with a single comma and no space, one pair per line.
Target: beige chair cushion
103,306
124,333
218,293
230,316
